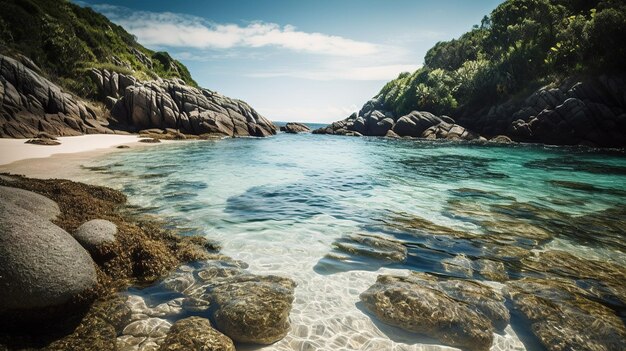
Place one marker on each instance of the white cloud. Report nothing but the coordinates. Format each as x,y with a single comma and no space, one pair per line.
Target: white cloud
178,30
375,72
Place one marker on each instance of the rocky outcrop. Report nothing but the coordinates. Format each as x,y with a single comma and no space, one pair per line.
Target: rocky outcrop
590,111
455,312
295,128
30,104
173,104
373,120
41,265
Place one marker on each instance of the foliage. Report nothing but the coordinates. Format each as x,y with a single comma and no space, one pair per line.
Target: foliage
65,40
521,43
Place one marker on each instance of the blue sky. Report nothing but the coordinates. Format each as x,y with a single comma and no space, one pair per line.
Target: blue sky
314,61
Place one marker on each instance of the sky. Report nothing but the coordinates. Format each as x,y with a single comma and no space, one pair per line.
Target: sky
310,61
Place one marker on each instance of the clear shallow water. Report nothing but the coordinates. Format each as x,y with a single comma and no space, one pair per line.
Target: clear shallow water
281,203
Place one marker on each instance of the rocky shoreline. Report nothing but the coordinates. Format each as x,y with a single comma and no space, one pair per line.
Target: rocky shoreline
63,293
32,104
590,112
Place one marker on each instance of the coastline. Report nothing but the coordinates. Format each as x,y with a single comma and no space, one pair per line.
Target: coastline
62,161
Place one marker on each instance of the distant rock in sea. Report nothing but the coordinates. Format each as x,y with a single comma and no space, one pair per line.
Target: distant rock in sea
373,120
295,128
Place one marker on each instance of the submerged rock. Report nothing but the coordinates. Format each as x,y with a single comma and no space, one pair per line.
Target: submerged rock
373,246
603,281
456,312
253,309
563,319
294,128
195,334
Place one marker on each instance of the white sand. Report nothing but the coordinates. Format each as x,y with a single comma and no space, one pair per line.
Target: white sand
65,160
12,150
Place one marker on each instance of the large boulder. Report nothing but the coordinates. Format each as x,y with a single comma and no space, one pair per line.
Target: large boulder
41,265
458,313
415,123
294,128
195,334
30,104
37,204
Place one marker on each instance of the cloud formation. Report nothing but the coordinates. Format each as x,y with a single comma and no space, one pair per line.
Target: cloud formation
373,72
178,30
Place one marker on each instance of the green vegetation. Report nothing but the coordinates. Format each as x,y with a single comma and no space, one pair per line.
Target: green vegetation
521,45
67,40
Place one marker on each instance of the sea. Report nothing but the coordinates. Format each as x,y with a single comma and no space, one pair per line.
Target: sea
282,204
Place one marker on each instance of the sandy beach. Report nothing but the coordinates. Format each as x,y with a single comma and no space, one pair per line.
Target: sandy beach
60,161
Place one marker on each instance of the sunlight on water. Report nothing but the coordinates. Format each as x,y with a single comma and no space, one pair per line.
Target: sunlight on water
281,203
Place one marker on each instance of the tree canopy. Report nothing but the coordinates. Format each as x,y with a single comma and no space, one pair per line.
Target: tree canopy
521,43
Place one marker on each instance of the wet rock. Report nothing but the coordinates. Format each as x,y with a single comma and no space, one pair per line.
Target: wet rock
563,319
459,265
149,140
253,309
455,312
167,309
194,304
492,270
195,333
123,147
373,246
138,343
38,205
149,328
501,139
294,128
603,280
95,233
41,265
179,282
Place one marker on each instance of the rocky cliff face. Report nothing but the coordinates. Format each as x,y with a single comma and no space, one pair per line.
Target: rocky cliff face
31,104
590,112
173,104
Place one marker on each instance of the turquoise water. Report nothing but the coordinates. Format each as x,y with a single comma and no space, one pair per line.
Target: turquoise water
281,203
